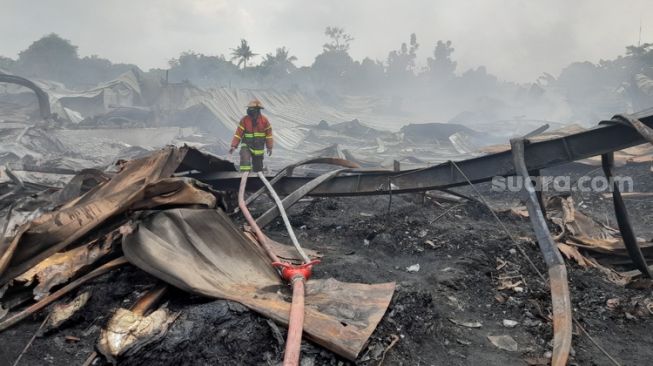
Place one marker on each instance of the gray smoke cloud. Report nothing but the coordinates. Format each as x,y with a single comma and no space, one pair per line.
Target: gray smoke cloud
515,39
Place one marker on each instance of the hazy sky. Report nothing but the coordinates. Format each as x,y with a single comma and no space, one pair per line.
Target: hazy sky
516,39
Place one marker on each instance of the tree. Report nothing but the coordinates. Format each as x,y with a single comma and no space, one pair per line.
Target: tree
580,80
640,51
545,79
6,63
94,69
340,41
401,62
50,57
54,58
478,81
202,70
440,66
334,67
242,53
370,75
281,61
276,69
641,58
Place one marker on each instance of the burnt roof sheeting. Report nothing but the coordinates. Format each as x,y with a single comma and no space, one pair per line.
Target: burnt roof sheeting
142,183
203,252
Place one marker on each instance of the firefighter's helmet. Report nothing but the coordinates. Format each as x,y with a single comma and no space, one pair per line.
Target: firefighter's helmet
255,103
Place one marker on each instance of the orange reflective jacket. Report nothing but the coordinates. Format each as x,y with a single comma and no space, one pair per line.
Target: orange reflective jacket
253,135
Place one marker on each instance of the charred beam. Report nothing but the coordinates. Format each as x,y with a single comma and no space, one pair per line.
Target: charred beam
561,301
41,96
609,136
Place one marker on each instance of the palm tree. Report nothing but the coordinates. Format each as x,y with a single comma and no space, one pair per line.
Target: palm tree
283,56
281,60
242,53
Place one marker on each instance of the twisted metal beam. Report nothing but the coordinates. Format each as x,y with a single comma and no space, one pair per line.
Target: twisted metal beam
561,301
41,96
609,136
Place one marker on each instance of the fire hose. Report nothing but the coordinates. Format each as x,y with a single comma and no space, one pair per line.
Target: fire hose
262,239
282,211
295,275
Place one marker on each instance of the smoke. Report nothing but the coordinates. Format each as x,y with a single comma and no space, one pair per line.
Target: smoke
516,40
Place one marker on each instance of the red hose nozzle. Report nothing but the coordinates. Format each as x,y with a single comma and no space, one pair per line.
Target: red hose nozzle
290,271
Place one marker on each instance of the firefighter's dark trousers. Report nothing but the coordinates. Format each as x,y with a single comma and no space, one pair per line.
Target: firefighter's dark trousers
249,161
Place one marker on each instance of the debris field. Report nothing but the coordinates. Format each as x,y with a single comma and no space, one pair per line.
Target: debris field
117,253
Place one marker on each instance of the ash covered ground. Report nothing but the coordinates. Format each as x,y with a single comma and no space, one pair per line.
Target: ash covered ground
442,313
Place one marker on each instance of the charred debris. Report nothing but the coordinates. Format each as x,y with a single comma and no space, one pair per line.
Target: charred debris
77,207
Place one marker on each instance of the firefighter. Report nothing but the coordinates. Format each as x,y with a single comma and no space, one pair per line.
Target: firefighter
253,134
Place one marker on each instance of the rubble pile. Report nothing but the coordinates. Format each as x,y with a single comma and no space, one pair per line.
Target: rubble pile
75,235
136,111
116,248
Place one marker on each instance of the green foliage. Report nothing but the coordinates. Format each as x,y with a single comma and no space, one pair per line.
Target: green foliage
440,66
54,58
93,69
644,51
279,63
340,41
477,82
201,69
243,53
370,75
7,63
402,61
277,69
50,57
333,68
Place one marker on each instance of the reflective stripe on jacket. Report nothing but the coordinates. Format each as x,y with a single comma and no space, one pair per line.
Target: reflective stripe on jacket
255,136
